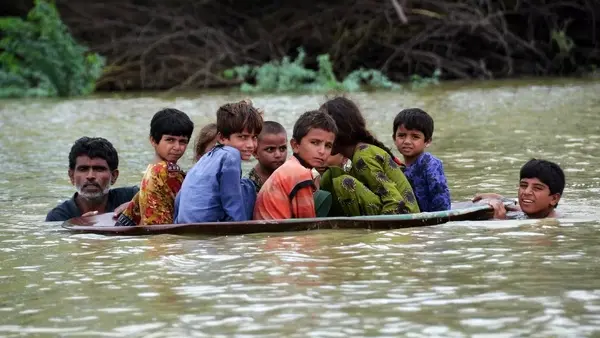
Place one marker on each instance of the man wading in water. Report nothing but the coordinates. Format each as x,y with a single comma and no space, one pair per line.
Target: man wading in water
93,164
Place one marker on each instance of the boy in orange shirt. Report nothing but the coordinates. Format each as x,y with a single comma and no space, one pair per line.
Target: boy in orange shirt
288,192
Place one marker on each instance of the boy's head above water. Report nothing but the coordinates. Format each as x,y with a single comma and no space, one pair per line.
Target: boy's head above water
271,150
313,137
170,132
541,184
412,133
238,124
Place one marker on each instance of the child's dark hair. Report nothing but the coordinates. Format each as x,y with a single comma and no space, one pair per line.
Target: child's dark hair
206,135
170,121
414,119
94,147
314,119
236,117
547,172
272,127
351,125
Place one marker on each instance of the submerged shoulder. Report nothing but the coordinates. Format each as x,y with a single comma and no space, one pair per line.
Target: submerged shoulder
63,211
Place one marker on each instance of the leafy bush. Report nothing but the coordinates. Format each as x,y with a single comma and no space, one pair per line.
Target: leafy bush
291,75
40,57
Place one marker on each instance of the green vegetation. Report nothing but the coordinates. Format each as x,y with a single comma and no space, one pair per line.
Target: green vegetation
39,57
288,75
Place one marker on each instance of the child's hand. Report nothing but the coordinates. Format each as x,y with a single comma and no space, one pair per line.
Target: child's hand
90,213
499,209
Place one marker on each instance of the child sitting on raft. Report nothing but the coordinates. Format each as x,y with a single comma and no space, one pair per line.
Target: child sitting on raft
206,140
271,152
290,192
412,133
214,190
170,131
541,185
375,184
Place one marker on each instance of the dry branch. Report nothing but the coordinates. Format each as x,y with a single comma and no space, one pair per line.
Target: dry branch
152,44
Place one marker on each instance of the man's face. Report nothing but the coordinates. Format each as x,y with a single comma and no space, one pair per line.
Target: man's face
91,177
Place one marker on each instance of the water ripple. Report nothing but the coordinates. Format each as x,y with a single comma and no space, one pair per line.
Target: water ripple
461,279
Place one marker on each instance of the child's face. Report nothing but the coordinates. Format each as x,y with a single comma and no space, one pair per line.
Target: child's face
245,142
315,147
535,197
271,150
410,143
170,148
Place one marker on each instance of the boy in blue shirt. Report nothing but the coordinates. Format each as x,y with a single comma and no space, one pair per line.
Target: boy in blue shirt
413,130
213,190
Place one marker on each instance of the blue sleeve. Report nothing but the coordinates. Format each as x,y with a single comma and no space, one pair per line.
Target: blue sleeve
438,187
230,189
249,196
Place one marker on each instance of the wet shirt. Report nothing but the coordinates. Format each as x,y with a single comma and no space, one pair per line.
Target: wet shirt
69,209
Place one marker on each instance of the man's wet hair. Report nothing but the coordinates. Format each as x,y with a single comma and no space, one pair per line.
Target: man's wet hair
94,147
547,172
170,121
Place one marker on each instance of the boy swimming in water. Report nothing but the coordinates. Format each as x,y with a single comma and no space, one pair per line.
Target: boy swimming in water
540,188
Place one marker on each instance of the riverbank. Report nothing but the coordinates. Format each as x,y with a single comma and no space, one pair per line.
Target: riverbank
188,44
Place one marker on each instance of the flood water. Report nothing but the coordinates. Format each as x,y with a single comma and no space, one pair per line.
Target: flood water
491,278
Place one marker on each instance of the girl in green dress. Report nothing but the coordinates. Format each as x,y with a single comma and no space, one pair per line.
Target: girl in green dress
375,184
